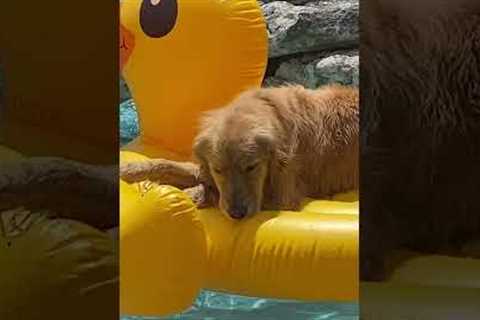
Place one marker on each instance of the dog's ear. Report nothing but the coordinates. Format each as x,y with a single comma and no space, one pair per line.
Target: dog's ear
201,146
280,184
269,144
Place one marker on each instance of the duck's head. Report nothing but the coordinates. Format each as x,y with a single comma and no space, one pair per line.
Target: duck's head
182,57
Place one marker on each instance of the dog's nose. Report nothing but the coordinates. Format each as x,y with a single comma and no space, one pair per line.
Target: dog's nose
238,211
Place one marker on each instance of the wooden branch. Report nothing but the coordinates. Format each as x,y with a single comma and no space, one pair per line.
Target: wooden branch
66,188
179,174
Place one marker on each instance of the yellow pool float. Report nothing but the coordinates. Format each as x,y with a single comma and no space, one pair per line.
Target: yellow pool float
208,52
211,52
196,59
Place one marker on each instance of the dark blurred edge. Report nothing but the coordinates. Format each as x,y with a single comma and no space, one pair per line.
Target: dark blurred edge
59,104
420,149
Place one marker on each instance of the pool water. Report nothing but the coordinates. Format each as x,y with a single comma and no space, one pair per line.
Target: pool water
218,306
128,122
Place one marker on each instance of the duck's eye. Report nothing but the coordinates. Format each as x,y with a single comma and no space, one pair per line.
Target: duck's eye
251,167
158,17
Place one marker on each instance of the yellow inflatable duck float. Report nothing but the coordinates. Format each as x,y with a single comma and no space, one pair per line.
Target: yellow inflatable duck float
182,57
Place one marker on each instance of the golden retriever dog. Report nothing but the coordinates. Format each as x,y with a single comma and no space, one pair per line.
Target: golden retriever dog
272,147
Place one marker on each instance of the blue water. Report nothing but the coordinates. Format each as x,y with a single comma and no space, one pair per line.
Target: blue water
128,121
218,306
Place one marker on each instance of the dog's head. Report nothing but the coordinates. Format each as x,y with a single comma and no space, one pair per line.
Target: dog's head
235,152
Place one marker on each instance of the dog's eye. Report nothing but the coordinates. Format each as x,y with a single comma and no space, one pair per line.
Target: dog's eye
251,167
217,170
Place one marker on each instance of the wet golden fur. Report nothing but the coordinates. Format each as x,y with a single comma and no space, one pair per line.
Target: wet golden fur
272,147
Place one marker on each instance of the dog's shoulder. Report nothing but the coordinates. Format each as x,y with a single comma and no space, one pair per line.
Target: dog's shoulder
337,96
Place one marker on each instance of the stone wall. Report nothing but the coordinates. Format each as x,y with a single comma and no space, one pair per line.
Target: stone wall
312,42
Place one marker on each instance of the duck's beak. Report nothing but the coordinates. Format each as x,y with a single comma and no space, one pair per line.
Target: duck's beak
127,43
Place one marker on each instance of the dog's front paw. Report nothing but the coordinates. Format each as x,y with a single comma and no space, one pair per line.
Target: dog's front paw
201,196
197,194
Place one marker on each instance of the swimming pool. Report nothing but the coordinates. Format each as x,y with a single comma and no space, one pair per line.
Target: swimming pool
219,306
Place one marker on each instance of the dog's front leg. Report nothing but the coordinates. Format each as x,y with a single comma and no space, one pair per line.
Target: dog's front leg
178,174
205,194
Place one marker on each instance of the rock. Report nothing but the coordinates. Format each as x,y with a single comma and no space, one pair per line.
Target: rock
274,82
338,68
314,70
319,25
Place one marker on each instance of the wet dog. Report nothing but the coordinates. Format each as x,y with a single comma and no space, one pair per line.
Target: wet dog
272,147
